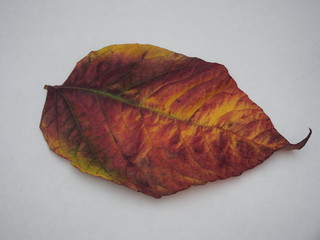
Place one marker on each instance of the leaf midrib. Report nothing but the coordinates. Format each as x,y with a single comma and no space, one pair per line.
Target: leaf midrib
154,110
123,100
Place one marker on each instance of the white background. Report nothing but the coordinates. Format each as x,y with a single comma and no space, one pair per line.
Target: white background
271,48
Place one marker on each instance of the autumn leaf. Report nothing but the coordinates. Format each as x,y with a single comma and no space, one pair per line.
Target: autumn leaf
156,121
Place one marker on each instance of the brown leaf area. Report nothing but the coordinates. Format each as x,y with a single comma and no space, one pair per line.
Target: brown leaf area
156,121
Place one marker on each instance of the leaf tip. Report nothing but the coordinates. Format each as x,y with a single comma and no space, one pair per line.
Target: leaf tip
300,144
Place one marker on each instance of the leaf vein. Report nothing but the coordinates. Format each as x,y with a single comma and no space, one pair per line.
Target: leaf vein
154,110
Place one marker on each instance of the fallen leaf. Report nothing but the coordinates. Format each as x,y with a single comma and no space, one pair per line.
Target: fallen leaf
156,121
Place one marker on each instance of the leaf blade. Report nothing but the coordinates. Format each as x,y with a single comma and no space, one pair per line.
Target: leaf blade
157,121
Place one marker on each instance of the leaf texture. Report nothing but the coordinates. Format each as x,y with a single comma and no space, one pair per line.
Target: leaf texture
156,121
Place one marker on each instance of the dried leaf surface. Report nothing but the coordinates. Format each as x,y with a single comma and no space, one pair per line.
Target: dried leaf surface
156,121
